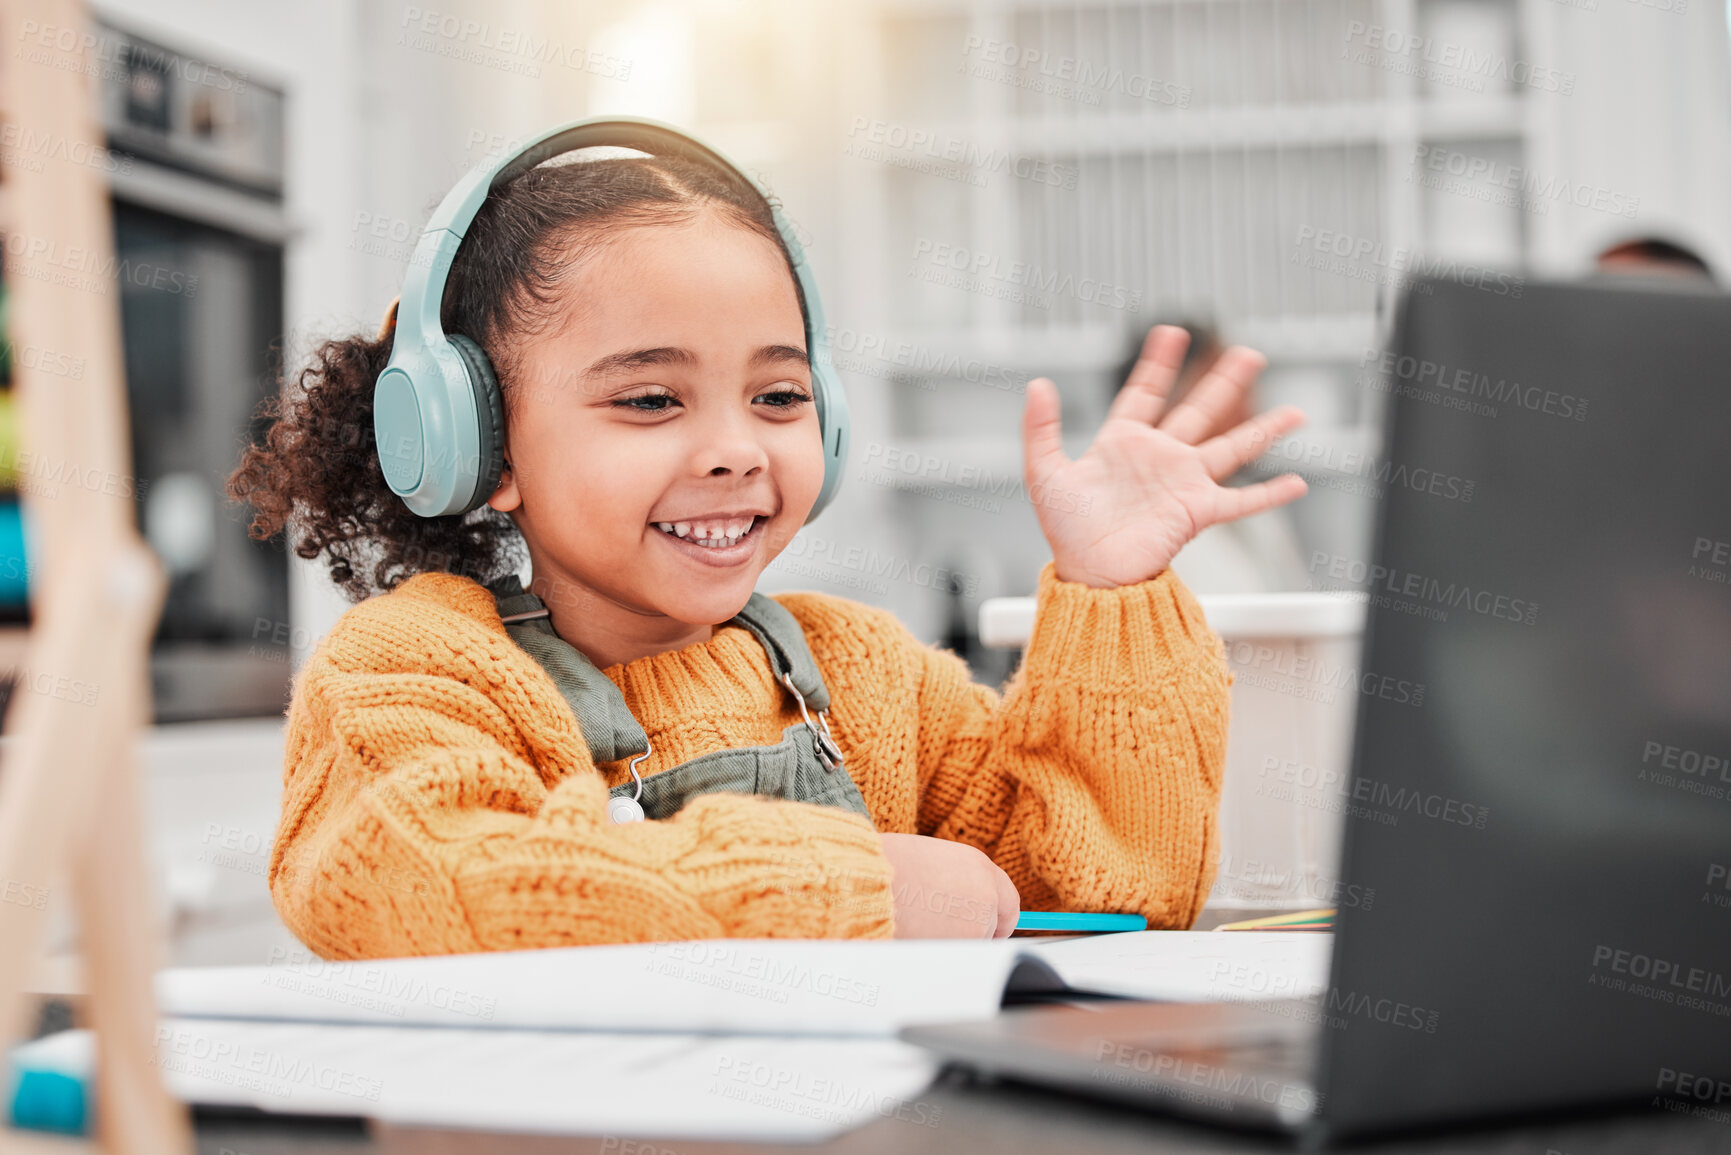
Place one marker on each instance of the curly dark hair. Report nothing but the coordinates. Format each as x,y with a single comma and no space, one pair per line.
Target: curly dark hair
315,472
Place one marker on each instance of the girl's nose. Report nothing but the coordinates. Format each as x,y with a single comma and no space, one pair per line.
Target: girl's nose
728,446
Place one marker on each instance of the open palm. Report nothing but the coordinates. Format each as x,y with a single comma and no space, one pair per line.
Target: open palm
1149,483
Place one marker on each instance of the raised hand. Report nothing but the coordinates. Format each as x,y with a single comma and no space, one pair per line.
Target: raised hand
1121,512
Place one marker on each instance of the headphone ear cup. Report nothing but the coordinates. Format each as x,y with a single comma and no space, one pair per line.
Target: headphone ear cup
833,426
489,417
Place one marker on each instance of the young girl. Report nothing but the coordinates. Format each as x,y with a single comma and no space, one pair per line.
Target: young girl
456,743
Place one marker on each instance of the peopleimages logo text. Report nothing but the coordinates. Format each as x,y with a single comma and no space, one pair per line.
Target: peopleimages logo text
991,267
1662,972
1367,252
1451,56
1381,579
941,146
1403,369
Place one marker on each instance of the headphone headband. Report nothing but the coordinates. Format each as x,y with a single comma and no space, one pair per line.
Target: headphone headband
416,427
449,224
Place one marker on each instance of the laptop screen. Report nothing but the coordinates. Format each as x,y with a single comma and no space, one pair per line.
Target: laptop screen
1547,821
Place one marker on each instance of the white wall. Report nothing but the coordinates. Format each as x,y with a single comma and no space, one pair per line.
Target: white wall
1650,117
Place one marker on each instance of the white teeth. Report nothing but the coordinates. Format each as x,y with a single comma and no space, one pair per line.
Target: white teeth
714,535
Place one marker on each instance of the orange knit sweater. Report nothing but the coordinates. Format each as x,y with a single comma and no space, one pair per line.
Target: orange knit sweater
439,798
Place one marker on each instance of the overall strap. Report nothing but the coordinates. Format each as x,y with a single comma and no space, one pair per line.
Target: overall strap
608,726
782,638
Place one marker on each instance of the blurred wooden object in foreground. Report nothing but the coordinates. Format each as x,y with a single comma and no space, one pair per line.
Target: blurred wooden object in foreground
70,818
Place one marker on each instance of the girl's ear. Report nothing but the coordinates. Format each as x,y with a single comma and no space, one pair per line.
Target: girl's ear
507,497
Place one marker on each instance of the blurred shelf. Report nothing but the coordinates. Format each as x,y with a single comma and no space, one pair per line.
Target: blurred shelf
1256,126
1483,116
1057,349
959,462
1328,338
1331,338
1183,130
969,460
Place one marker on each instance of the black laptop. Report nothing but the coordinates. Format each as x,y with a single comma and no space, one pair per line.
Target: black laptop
1552,926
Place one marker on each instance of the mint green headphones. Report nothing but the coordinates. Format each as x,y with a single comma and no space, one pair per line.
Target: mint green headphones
438,418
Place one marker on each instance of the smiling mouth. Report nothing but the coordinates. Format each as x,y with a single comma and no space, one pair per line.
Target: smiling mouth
711,533
719,544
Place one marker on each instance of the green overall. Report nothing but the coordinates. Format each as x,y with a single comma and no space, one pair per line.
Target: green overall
805,766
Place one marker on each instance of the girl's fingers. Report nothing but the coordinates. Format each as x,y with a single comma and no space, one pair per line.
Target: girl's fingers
1009,906
1215,395
1235,502
1042,435
1224,455
1144,392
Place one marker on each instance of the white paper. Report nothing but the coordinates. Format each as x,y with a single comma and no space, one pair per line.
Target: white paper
770,986
1194,966
744,1040
766,986
749,1088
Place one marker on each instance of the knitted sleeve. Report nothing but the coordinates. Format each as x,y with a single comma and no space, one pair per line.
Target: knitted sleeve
415,823
1095,781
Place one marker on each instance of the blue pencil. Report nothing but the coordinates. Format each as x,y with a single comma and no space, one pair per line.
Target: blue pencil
1069,920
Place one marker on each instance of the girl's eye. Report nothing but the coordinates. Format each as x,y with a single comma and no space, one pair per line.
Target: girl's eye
789,398
647,402
653,402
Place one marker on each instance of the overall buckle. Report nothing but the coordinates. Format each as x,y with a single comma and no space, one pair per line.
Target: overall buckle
823,742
